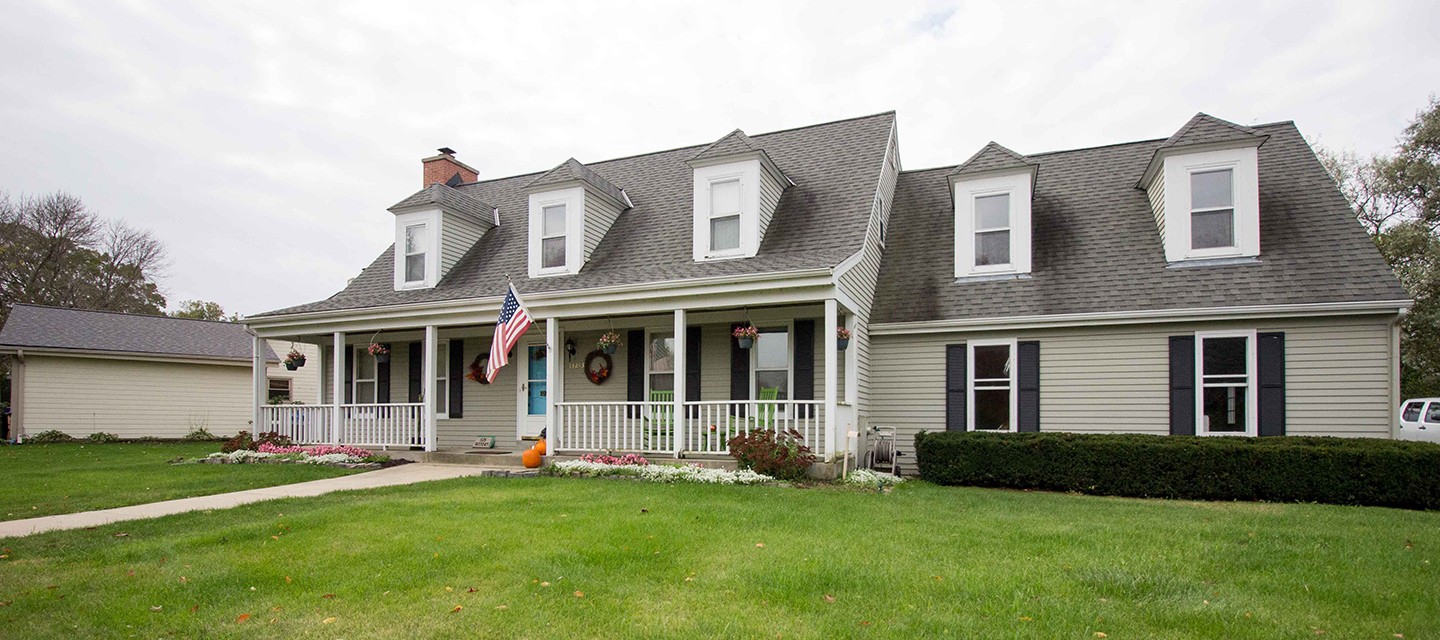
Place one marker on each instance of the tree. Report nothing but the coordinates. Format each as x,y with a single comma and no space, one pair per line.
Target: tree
1397,198
203,310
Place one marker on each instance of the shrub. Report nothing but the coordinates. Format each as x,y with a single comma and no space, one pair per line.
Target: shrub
273,439
100,437
1357,471
147,439
782,455
241,442
200,434
50,436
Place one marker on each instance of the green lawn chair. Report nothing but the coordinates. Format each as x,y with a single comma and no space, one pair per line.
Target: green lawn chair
765,411
662,420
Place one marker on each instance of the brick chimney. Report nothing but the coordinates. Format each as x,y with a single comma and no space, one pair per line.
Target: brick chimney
444,167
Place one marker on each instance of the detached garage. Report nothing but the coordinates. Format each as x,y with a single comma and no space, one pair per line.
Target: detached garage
81,372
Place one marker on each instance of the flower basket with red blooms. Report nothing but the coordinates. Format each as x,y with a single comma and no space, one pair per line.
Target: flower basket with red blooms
746,336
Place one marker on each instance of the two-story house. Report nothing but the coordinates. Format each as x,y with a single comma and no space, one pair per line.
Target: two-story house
1214,282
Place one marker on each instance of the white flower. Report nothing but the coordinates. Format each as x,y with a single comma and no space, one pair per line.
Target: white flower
661,472
873,479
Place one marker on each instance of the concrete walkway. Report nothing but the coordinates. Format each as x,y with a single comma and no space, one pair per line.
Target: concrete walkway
403,474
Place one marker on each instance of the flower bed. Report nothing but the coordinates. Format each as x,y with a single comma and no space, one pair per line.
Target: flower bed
317,450
656,472
629,459
338,456
872,479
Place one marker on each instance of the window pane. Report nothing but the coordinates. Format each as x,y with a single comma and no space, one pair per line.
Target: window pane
442,396
415,268
992,247
1412,411
992,409
1225,357
1212,229
662,353
992,212
725,233
554,221
552,252
364,393
772,350
416,238
1433,413
1211,189
777,381
662,382
992,362
442,360
1225,409
724,198
364,365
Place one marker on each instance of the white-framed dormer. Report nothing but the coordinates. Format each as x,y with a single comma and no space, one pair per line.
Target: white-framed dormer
417,249
1211,204
993,223
557,224
727,210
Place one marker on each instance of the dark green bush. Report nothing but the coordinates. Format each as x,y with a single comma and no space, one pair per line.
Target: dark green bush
49,436
1359,471
100,437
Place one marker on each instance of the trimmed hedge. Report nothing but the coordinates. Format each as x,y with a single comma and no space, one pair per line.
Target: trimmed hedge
1355,471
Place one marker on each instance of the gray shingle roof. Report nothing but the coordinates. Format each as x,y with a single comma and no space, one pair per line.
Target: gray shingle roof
1207,129
991,157
817,224
1097,248
446,197
733,143
572,170
36,327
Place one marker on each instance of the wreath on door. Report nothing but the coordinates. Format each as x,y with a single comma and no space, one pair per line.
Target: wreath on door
598,372
477,368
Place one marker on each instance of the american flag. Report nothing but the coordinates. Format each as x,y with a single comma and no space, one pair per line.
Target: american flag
514,320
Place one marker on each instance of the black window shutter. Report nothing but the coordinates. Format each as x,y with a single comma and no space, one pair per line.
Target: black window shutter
739,370
1182,385
635,367
804,373
456,379
1028,361
382,381
955,375
416,371
349,374
1271,355
692,366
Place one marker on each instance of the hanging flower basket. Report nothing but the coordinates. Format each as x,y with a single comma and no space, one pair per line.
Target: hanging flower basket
380,351
842,338
745,336
608,342
294,360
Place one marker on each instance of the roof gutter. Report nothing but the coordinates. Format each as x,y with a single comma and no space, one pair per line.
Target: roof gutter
20,352
1398,307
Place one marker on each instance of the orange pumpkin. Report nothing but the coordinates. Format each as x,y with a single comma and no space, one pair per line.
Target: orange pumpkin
531,458
540,446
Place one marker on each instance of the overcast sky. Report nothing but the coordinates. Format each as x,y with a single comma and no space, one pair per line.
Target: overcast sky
263,141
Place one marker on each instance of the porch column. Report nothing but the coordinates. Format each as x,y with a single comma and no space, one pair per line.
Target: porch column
427,393
337,385
259,388
677,359
852,383
832,320
554,374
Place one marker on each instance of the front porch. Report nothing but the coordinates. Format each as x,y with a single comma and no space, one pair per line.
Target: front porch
677,385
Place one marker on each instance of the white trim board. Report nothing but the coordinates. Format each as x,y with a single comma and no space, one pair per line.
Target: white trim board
1398,307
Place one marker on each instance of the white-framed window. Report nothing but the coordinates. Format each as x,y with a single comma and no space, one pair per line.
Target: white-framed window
725,215
278,390
557,230
442,380
417,246
552,236
1212,209
772,370
362,382
659,362
1226,383
991,381
992,225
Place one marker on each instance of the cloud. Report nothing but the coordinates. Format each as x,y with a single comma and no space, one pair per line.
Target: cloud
263,141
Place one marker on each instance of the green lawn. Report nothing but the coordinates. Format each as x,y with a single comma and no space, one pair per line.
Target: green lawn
570,558
46,479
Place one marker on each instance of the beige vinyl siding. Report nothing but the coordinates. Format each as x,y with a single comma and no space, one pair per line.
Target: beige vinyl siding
1157,204
458,233
304,381
134,398
770,191
600,214
1339,377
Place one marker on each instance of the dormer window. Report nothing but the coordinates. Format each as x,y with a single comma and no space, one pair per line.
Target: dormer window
417,245
991,192
724,215
1212,209
992,231
552,237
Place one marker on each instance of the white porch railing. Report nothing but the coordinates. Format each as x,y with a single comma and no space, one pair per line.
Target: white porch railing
302,423
382,425
649,427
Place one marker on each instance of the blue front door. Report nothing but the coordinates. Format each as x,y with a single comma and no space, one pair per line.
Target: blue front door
535,383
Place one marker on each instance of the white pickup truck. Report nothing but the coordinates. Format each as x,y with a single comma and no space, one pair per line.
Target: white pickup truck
1420,420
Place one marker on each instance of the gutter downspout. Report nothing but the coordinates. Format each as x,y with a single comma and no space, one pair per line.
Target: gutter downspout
1395,370
17,397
